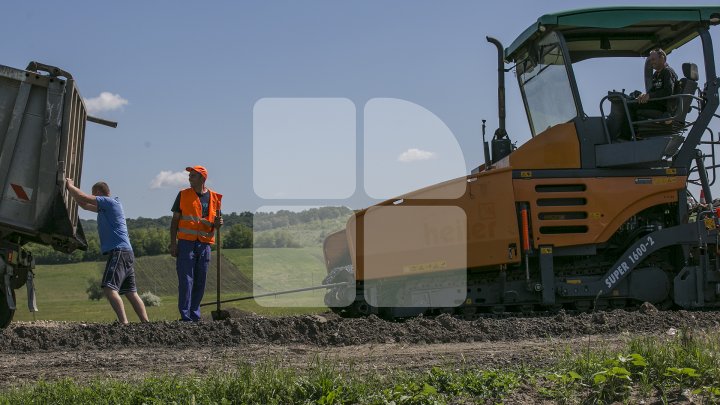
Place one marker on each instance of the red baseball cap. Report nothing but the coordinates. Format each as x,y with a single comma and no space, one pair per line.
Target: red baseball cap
199,169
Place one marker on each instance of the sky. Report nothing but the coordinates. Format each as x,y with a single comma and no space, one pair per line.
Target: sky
290,103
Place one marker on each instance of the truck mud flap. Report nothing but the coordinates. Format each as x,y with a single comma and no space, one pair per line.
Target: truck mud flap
30,285
8,290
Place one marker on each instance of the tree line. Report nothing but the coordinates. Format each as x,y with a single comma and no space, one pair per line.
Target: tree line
150,236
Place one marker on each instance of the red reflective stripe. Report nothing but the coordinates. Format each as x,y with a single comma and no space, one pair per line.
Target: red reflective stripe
20,192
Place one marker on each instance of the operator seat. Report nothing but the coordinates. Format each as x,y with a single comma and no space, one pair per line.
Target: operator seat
676,124
688,85
656,141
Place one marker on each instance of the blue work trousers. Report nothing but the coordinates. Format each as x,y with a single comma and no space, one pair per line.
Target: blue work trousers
192,265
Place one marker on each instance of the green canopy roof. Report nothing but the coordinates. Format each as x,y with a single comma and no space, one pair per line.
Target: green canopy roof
619,31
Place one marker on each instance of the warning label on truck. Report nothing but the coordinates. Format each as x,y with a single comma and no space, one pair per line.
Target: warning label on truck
19,193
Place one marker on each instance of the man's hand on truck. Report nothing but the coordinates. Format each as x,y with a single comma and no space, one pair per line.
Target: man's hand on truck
84,201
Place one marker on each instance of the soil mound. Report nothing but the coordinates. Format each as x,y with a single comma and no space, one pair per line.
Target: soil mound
328,330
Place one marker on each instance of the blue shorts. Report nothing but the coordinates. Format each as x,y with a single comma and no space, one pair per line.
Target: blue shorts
119,272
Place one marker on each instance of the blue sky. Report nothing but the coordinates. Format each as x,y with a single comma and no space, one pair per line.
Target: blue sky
396,91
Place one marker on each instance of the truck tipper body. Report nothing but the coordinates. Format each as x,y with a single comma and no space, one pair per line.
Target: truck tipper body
42,134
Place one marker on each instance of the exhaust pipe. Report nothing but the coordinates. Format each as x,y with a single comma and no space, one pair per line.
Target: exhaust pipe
501,145
486,149
501,86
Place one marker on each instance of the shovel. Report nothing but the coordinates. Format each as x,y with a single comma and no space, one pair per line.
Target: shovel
219,314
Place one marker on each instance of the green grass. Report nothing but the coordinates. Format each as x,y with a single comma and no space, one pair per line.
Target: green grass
662,367
310,234
681,368
281,269
242,259
288,269
61,295
323,383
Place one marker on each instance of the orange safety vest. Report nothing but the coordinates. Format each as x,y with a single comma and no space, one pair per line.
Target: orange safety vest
192,225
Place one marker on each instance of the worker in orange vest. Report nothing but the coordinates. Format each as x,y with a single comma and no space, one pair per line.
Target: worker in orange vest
196,216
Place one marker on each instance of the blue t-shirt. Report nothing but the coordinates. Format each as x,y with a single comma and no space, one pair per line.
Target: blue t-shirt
111,225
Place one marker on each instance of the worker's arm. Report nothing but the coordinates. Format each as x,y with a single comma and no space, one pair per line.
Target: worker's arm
173,234
85,201
89,207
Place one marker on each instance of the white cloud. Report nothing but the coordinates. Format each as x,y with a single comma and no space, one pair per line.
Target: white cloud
168,179
414,154
106,101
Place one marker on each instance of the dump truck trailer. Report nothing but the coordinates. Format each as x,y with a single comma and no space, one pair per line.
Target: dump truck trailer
42,133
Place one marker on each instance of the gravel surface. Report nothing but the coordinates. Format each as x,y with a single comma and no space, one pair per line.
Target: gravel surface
51,350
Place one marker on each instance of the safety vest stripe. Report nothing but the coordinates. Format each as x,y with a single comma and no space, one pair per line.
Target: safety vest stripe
196,219
194,232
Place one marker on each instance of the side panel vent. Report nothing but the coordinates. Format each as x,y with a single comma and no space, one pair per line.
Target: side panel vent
560,202
560,216
560,188
554,230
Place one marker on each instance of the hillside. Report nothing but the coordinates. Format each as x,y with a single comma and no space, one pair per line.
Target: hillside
61,288
157,274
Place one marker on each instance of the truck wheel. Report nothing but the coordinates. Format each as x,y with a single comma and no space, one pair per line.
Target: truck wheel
6,314
340,297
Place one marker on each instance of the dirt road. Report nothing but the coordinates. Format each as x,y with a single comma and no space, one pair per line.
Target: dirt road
52,350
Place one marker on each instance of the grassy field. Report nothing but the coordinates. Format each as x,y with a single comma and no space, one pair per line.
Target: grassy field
61,289
288,269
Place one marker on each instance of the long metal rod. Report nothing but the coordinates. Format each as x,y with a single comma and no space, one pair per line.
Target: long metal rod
219,246
101,121
344,283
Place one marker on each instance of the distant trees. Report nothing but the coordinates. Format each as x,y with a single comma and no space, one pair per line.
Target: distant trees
145,242
151,236
140,222
264,221
276,239
238,236
149,241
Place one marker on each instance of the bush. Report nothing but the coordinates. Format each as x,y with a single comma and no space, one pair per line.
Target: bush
276,239
150,299
238,237
94,290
